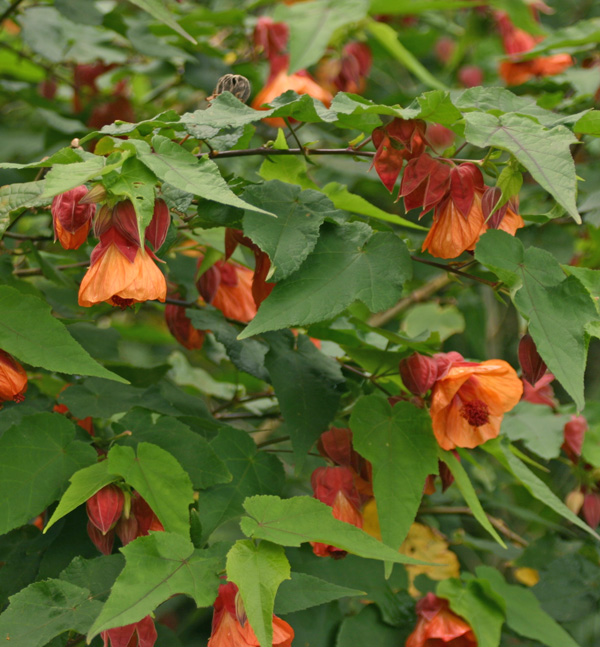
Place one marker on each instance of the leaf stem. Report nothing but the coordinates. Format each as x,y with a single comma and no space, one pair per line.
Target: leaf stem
453,270
370,378
10,10
37,271
267,152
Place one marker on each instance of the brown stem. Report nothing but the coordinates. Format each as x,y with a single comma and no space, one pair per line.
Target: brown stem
267,152
453,270
499,524
421,294
10,10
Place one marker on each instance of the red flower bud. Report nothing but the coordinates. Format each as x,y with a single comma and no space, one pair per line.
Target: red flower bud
445,361
444,49
181,328
139,634
532,364
103,220
105,507
104,543
13,379
144,515
591,509
574,501
574,434
418,373
156,232
208,284
127,529
125,221
72,220
470,76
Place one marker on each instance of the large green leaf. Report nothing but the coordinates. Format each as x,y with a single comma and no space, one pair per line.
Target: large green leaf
584,32
349,263
290,238
258,570
158,566
536,487
401,446
179,168
367,628
558,308
290,522
160,479
310,401
37,457
253,472
523,612
30,333
157,9
478,604
544,152
312,25
47,609
84,484
19,196
97,574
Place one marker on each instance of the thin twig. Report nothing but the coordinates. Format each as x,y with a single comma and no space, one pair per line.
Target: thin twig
370,378
295,136
267,152
11,9
10,234
363,143
249,398
453,270
499,524
37,271
243,416
421,294
275,441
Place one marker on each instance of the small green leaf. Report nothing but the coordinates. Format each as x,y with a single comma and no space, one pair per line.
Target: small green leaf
258,570
399,443
157,9
160,480
37,457
19,196
290,522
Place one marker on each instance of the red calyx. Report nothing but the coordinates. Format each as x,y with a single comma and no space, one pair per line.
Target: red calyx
418,373
125,220
67,210
104,508
532,364
425,183
104,543
464,181
591,509
156,232
491,197
574,435
271,37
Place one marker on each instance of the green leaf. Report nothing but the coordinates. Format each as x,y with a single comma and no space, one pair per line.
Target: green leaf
304,591
158,566
463,483
544,152
401,446
584,32
160,480
537,488
30,333
253,472
200,176
312,26
193,452
477,603
290,238
157,9
403,7
558,308
97,575
540,429
343,199
247,355
84,484
349,263
290,522
589,124
19,196
523,612
426,318
366,628
47,609
310,401
388,38
37,456
258,570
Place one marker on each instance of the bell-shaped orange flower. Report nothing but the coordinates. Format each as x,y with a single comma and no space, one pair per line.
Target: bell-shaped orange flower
438,626
230,626
505,217
13,379
71,219
121,273
301,82
228,287
469,402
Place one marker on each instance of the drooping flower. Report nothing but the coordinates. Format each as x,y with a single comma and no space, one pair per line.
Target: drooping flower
71,219
13,379
438,626
541,392
505,217
574,435
230,626
145,516
347,72
139,634
103,542
469,402
104,508
335,487
470,76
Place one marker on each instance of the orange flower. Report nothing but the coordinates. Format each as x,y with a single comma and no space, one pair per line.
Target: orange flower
13,379
468,403
230,626
72,219
228,287
300,82
505,217
121,274
437,626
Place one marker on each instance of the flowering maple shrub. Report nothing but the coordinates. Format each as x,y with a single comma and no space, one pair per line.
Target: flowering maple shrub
298,323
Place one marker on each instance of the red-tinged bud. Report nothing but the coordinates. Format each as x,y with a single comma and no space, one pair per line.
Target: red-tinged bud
104,543
127,529
270,37
445,361
13,379
344,510
156,232
139,634
532,364
48,88
182,329
105,507
444,49
261,289
445,473
95,195
144,515
574,501
103,221
125,221
465,179
492,216
574,434
541,392
208,284
470,76
439,137
328,481
72,220
591,509
418,373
